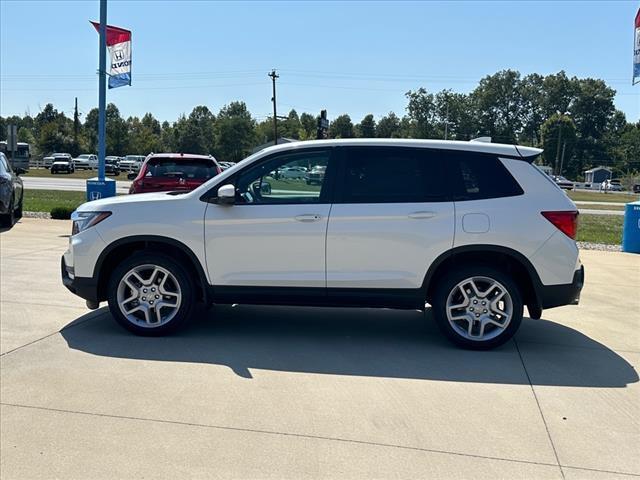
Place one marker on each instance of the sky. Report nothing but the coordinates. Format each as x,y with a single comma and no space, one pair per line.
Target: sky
346,57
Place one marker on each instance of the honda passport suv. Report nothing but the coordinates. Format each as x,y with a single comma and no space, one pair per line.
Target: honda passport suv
472,229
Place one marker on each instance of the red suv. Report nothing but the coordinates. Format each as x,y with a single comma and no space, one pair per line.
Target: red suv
163,172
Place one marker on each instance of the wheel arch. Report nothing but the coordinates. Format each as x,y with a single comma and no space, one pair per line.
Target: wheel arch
506,259
123,248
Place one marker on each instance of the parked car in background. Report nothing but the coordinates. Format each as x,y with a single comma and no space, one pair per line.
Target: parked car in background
131,163
225,165
62,163
636,188
614,185
165,172
86,161
294,172
563,183
316,175
11,193
48,161
112,165
472,229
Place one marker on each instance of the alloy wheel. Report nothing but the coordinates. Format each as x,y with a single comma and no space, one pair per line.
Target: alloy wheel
149,296
479,308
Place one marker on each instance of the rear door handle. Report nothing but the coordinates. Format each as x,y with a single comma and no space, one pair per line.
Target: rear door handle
418,215
310,217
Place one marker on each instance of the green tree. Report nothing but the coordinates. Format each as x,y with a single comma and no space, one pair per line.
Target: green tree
341,127
421,113
499,102
457,112
234,132
560,128
366,128
308,127
388,126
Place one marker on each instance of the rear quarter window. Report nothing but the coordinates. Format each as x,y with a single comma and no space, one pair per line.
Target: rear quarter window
477,176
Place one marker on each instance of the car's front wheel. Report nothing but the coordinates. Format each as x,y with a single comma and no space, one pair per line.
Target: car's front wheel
477,307
151,294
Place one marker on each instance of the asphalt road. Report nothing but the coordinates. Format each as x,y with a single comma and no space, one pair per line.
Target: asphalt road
273,392
69,184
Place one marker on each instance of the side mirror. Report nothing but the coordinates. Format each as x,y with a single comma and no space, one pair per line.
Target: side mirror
227,194
131,176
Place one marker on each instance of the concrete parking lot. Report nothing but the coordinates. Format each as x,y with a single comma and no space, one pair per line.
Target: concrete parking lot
274,392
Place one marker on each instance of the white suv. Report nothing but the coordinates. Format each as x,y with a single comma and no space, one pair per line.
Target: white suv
473,229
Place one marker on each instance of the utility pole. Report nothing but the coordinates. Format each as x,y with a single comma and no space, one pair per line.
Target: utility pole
559,142
76,123
273,76
446,122
564,145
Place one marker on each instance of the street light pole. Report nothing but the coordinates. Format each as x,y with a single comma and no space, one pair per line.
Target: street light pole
102,84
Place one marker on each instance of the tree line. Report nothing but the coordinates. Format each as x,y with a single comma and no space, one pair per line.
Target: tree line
573,119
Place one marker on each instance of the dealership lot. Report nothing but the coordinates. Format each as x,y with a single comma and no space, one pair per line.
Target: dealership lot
274,392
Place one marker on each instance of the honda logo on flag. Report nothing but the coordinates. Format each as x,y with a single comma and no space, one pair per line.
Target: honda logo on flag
119,47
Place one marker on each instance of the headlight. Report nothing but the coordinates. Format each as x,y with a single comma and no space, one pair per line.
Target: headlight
84,220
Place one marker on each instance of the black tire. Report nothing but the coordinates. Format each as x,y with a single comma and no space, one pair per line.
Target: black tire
18,210
445,286
184,280
8,219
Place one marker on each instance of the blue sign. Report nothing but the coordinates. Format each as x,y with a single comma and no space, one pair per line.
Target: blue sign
97,189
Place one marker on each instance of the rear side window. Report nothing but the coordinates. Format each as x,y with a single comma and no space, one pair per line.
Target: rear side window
477,176
187,169
392,175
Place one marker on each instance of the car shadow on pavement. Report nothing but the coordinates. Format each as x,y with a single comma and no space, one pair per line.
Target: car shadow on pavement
360,342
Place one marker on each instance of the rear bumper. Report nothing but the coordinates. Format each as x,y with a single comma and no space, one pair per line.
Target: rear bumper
557,295
84,287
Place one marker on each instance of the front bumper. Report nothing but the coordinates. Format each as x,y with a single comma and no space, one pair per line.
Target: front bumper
557,295
84,287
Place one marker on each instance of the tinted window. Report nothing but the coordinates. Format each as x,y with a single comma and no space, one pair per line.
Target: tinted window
393,175
286,178
477,176
188,169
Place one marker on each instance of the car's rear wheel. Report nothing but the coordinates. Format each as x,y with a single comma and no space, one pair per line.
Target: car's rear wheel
151,294
477,307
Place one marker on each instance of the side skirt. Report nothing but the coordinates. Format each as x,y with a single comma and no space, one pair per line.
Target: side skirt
408,299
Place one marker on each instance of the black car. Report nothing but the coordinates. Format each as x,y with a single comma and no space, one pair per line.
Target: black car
11,193
112,166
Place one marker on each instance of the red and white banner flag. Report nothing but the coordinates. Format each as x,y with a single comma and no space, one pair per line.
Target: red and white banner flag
119,47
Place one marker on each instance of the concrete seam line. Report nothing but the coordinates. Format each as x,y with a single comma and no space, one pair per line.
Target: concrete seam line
46,336
286,434
535,396
45,305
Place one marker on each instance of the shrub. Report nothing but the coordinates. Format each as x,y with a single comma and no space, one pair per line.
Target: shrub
61,213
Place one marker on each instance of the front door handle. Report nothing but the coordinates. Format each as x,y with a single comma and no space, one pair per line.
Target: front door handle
422,214
310,217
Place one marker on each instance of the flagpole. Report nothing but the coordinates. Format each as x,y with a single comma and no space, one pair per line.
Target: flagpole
102,84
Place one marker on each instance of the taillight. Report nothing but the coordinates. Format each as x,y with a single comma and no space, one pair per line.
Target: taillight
566,222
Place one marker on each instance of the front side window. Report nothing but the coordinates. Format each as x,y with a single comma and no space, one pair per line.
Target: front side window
393,175
297,177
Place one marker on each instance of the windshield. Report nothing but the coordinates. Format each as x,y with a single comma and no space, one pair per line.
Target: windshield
85,156
188,169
